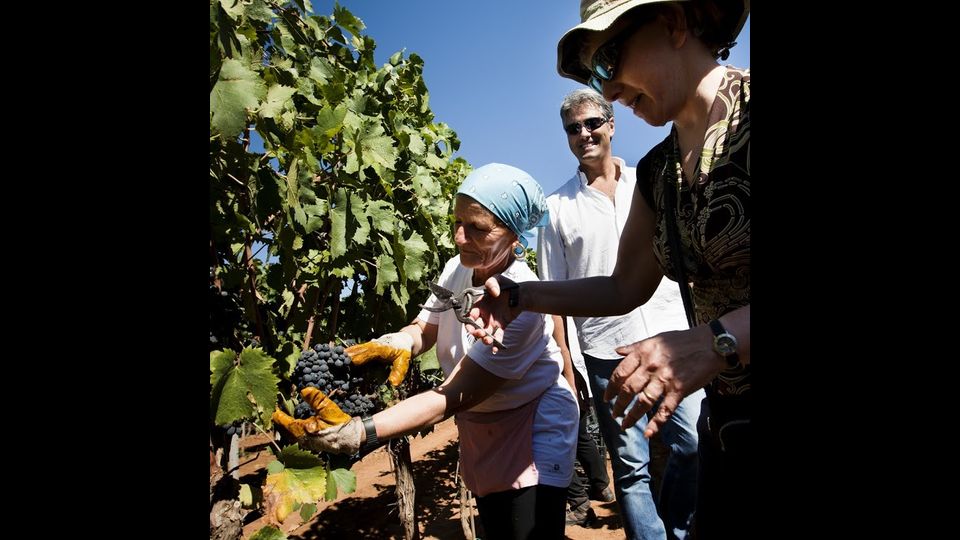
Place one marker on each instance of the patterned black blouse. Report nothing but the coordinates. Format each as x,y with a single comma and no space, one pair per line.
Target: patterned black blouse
713,215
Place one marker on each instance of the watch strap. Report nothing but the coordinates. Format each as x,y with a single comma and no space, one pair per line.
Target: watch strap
370,429
733,359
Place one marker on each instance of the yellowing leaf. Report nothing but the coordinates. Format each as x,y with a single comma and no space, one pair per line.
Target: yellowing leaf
291,486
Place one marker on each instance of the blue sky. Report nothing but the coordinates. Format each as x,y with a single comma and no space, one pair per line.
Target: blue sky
490,68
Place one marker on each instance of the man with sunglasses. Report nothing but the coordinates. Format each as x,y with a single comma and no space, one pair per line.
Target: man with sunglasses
587,216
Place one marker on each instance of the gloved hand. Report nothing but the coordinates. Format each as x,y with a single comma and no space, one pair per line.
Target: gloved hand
327,414
395,348
342,439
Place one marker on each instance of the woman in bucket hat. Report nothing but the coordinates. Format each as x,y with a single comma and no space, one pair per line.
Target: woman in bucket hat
516,414
660,60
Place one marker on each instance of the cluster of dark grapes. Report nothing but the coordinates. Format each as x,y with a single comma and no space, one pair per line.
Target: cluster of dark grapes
327,369
225,315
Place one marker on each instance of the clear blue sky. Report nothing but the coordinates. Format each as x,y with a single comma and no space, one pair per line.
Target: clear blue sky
490,68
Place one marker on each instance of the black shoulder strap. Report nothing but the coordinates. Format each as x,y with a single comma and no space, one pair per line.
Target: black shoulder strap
673,236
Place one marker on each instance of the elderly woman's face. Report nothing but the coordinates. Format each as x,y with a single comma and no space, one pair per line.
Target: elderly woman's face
484,242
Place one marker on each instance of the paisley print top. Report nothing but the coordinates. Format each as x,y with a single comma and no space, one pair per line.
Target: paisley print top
713,214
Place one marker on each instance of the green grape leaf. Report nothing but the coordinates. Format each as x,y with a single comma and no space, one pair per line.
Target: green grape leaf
294,457
320,70
416,146
377,148
435,162
329,121
386,272
347,20
234,8
345,480
293,198
259,11
338,224
413,261
381,212
307,511
359,214
236,381
237,90
277,97
269,532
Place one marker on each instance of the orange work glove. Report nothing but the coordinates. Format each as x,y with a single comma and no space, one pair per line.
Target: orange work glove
327,414
394,348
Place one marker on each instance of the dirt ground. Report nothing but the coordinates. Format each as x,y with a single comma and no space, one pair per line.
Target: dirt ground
371,511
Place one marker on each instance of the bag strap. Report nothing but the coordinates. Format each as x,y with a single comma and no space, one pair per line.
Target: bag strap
673,237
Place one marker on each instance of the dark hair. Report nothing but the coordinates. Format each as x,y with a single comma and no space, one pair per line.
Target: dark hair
710,21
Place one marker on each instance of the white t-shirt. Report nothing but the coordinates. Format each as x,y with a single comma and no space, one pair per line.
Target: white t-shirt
531,363
581,240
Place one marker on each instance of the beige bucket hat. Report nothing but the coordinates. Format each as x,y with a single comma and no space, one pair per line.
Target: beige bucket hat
598,15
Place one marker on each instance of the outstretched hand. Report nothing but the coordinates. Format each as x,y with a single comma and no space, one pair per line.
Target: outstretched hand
671,365
494,312
329,430
394,348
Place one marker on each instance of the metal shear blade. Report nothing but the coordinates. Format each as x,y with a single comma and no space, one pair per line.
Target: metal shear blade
461,305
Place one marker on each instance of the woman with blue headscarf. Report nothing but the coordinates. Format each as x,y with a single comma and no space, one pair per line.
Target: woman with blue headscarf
516,413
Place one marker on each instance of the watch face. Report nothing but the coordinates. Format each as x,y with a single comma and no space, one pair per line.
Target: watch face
726,344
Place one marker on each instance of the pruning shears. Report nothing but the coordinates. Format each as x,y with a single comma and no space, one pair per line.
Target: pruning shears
460,304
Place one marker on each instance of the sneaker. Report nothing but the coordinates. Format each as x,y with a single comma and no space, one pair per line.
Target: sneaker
581,515
604,495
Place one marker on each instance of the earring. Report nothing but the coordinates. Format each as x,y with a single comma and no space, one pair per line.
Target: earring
519,252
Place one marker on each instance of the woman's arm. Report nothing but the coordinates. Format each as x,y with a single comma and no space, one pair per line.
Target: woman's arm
467,385
672,365
424,336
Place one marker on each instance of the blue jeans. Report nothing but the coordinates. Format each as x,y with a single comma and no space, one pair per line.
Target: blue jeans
630,457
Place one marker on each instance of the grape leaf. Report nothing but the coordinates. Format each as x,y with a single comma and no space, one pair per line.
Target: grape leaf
343,479
307,511
413,262
237,90
347,20
359,214
297,458
338,224
290,487
234,8
377,148
269,532
277,97
381,212
234,380
386,272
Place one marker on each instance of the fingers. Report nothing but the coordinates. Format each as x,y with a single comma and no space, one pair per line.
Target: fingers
492,286
399,368
324,409
360,354
670,403
646,399
288,423
625,369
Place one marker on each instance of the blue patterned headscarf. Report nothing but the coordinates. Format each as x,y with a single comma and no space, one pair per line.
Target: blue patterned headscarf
510,194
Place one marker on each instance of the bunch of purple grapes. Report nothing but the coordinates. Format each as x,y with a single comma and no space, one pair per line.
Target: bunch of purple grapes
327,369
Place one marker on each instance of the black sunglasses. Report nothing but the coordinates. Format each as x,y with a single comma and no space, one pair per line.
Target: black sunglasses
590,123
603,65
